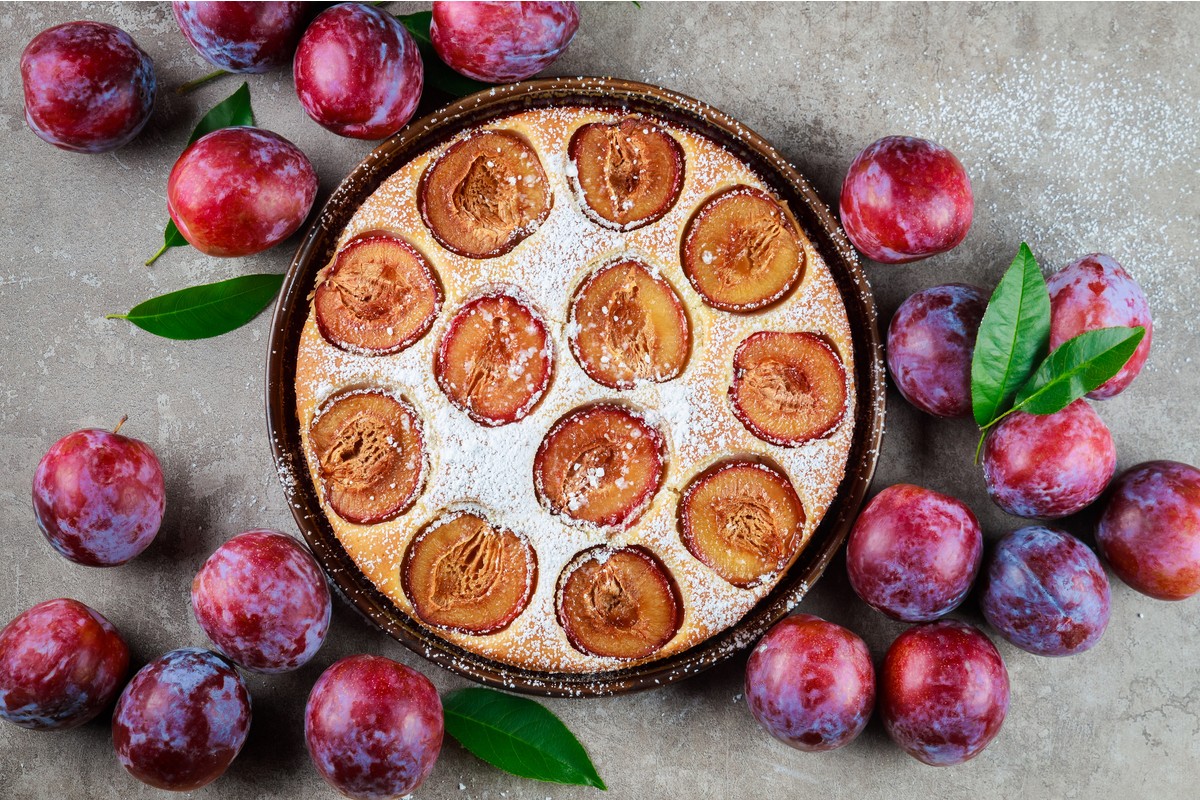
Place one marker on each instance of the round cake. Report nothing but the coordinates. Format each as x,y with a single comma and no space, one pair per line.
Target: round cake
575,389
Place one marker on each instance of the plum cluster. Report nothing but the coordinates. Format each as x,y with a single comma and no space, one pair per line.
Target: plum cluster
915,554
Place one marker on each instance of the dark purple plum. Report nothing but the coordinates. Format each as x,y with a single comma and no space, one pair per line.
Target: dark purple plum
810,683
358,72
1150,529
61,664
930,344
943,692
182,720
913,553
1096,292
263,600
88,87
1046,592
502,42
373,727
242,37
238,191
1049,466
904,199
99,497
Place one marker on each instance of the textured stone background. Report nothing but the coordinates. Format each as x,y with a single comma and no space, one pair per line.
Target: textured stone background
1079,125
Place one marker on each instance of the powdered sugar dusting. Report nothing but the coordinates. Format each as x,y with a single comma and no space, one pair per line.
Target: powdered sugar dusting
492,468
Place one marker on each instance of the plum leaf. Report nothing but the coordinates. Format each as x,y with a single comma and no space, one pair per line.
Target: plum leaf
519,736
210,309
1076,367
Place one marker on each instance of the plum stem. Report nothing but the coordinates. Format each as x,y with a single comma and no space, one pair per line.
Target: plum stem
192,84
154,257
122,421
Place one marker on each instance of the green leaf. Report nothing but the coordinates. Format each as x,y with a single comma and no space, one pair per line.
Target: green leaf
1076,367
1012,338
233,110
518,736
199,312
437,74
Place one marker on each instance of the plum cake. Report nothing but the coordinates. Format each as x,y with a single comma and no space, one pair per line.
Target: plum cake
575,389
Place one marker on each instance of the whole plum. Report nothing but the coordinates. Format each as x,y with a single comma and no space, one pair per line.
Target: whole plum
61,663
88,87
930,343
182,720
358,72
1049,466
242,37
904,199
1150,529
943,692
238,191
1096,292
913,553
502,42
99,497
1046,592
373,727
810,683
262,598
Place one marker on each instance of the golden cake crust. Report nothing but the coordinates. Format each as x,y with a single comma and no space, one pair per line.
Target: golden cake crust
492,467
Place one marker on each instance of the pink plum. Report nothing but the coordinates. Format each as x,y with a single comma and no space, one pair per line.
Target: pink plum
373,727
358,72
61,664
1150,529
263,600
905,199
242,37
88,87
1096,292
99,497
810,683
930,343
182,720
238,191
943,692
913,553
1049,466
502,42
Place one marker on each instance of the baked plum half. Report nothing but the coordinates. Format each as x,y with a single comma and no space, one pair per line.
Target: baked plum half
370,452
628,173
600,465
485,194
741,518
495,360
463,573
788,388
379,297
741,251
627,325
619,603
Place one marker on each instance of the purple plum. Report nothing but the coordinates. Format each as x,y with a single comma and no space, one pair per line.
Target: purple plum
930,344
1049,466
373,727
263,600
1046,592
242,37
502,42
88,87
182,720
1150,529
61,664
913,553
810,683
943,692
99,497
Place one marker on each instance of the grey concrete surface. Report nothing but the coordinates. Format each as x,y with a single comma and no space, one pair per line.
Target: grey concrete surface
1079,125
